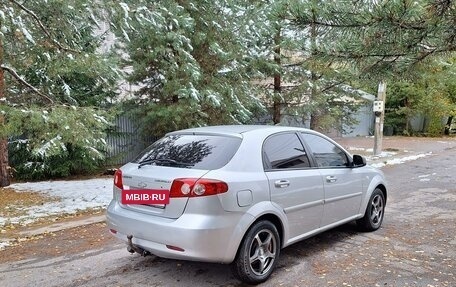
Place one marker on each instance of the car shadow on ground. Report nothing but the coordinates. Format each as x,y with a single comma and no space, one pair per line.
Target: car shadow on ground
177,272
301,250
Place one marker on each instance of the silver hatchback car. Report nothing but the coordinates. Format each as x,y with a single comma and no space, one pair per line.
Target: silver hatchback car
238,194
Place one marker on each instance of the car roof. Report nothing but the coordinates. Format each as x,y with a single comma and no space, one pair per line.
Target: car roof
235,130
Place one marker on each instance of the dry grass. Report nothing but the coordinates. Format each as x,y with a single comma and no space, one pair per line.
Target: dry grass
14,204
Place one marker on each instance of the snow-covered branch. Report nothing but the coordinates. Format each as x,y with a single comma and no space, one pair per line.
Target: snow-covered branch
43,28
25,83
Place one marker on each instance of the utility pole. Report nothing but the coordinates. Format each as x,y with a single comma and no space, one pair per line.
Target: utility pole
379,111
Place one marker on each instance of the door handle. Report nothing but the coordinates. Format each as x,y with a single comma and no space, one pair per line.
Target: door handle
331,179
281,183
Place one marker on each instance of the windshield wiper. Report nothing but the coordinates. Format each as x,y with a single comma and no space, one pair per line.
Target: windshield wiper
172,161
164,160
145,161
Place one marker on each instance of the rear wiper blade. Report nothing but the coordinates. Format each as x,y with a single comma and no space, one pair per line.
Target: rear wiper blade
164,160
146,161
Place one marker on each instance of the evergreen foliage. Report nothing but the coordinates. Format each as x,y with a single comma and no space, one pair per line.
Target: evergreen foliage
202,62
54,73
53,47
430,92
396,41
319,92
386,37
188,62
56,142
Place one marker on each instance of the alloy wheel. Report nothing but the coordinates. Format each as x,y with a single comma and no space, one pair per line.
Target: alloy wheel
377,210
262,252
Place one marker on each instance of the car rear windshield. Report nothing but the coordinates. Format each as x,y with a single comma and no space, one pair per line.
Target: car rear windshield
190,151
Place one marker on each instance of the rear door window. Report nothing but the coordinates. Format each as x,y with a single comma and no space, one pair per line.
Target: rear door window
326,153
284,151
190,151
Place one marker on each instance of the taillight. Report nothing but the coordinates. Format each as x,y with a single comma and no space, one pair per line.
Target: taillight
118,179
193,187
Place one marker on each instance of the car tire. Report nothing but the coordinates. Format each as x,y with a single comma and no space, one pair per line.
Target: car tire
375,211
258,253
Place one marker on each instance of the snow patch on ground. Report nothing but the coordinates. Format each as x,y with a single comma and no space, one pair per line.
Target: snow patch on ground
356,148
426,177
381,155
401,160
3,244
75,195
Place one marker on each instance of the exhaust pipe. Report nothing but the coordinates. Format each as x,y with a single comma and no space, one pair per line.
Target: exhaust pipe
134,248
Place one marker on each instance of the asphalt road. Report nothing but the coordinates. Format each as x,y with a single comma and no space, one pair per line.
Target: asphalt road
415,247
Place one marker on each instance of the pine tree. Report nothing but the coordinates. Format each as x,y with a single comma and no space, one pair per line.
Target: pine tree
49,66
311,89
387,36
187,61
382,39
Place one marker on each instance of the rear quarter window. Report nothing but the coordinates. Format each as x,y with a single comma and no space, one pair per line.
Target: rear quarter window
191,151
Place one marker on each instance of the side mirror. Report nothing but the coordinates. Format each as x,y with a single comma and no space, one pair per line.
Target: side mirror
358,161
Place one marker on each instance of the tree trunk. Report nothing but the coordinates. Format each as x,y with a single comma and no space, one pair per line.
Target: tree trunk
277,105
4,174
315,111
407,117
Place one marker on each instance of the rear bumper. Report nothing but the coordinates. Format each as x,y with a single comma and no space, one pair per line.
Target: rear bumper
209,238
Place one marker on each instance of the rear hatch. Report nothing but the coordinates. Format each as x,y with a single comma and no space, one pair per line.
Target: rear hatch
157,177
176,156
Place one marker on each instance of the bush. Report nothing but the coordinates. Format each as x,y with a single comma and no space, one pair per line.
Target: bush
56,141
30,166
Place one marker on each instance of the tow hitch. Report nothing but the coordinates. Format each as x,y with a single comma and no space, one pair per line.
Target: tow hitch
134,248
